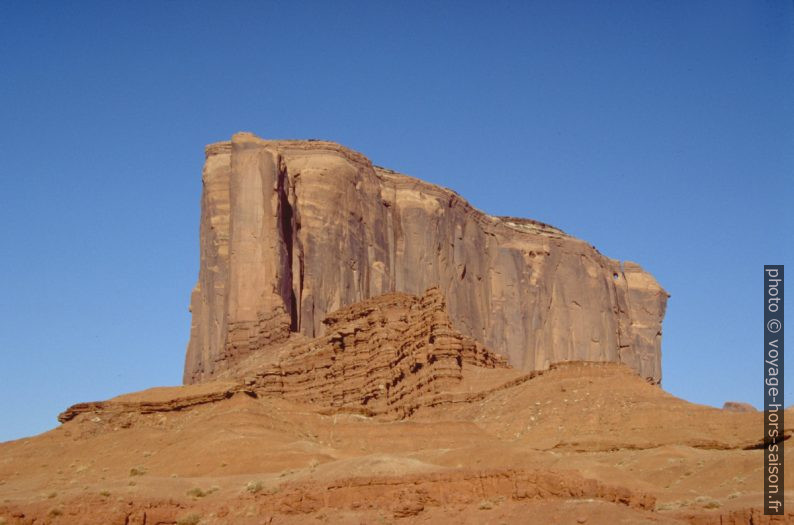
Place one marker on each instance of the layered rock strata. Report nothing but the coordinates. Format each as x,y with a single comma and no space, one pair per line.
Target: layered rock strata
293,230
384,356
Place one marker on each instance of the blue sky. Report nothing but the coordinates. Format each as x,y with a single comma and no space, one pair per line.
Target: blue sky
662,132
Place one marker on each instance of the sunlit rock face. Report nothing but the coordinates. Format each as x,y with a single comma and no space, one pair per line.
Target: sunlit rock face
294,230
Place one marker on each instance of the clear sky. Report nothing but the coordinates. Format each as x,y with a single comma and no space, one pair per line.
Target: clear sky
660,131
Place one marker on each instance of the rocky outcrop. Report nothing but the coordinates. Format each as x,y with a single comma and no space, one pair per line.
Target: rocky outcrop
409,495
293,230
154,401
384,356
738,406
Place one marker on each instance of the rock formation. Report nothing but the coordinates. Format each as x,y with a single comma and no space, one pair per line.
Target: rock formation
322,392
386,355
293,230
738,406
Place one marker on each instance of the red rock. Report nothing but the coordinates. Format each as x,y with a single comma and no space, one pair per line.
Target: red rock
293,230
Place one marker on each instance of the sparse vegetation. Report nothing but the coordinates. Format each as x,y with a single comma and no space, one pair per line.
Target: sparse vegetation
105,494
55,512
254,486
51,495
190,519
485,505
137,471
678,504
196,492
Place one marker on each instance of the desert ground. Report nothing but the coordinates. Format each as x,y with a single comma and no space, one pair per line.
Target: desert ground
580,443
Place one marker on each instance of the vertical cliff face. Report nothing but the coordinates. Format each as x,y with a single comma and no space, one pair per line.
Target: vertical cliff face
293,230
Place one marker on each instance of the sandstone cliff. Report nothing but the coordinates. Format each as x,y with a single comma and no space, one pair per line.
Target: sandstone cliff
388,355
293,230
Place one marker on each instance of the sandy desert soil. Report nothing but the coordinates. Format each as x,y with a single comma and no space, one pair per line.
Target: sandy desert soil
581,443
